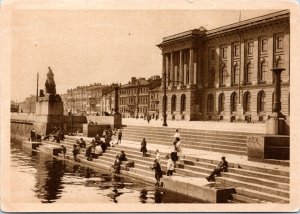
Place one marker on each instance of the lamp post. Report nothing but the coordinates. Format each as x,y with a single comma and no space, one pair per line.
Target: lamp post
90,100
165,99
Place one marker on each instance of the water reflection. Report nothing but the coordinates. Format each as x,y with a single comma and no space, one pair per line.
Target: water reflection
65,182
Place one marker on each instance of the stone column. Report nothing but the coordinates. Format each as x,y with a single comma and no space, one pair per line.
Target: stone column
166,69
255,63
175,69
163,69
217,68
269,76
191,66
184,68
181,79
195,64
172,69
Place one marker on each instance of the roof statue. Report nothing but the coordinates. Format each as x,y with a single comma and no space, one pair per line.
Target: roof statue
50,83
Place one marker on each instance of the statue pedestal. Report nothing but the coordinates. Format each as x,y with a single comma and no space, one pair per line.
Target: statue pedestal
49,114
277,125
239,112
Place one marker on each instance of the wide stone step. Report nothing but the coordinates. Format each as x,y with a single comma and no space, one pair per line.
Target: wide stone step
215,148
191,136
257,187
244,199
188,131
192,141
263,197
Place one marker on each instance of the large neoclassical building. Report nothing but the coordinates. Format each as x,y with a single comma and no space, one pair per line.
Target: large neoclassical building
225,73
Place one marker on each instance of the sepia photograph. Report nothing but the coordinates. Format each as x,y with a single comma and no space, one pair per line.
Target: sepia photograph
146,106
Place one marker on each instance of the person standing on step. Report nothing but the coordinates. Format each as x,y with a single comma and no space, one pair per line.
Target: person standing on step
75,152
176,135
119,136
222,167
98,150
157,156
64,150
117,165
158,173
88,152
170,166
178,148
144,147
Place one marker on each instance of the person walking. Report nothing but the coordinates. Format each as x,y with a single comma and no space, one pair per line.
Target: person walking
221,167
119,136
144,147
158,172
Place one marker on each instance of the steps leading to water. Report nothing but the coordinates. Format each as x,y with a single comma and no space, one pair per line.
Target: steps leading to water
217,141
253,184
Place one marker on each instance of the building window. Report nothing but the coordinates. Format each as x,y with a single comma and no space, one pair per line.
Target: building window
235,75
261,101
223,75
279,42
247,101
264,45
182,103
210,103
279,62
234,102
249,72
221,102
224,52
250,48
212,54
212,76
173,103
263,71
236,50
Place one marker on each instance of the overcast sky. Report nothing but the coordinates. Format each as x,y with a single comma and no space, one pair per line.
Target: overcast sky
98,46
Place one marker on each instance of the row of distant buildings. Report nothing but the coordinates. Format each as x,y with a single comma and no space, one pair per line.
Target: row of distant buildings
137,98
219,74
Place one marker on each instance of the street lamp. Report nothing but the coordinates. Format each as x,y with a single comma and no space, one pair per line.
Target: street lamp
165,99
90,99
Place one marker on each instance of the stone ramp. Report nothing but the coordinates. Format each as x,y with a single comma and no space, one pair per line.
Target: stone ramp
253,182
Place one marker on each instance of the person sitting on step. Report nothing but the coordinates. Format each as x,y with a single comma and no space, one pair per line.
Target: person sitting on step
222,167
122,156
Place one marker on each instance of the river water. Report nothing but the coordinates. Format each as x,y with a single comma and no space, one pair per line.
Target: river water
40,178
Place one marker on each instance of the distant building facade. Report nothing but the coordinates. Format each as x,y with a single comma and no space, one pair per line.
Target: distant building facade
134,96
28,105
225,73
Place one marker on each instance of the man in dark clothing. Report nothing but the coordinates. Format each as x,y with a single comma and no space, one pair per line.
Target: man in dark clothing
64,150
158,172
122,156
119,136
222,167
32,135
82,143
88,153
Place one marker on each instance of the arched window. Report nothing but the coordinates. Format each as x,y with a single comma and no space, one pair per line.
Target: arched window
234,102
263,71
249,72
235,75
261,101
210,103
221,102
173,103
224,75
182,103
247,101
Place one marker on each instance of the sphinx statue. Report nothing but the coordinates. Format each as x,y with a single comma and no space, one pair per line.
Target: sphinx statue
50,83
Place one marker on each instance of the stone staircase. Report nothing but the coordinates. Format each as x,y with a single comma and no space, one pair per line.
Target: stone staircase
217,141
252,184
